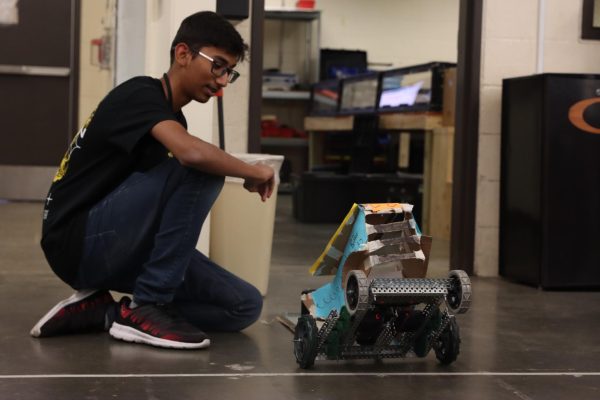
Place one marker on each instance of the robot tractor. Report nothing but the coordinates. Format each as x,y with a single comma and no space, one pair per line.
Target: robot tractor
379,304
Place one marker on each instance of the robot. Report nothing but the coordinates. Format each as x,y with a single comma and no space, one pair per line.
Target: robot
379,304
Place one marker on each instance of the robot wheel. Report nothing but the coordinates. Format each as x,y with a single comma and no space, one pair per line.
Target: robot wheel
306,341
448,343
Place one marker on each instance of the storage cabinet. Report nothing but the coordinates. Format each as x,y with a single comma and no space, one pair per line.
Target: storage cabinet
550,180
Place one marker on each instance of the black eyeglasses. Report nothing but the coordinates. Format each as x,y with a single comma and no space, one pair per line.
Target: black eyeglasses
219,69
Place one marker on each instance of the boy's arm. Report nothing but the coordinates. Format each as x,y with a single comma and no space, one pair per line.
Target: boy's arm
198,154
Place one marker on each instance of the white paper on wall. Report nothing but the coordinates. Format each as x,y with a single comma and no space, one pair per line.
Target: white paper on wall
9,12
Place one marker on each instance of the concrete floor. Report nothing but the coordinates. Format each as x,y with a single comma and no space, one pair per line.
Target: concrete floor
517,342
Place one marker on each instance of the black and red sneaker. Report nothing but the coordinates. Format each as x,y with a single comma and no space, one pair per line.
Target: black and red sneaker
157,325
85,311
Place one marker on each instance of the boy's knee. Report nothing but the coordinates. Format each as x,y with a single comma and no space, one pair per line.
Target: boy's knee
250,311
256,302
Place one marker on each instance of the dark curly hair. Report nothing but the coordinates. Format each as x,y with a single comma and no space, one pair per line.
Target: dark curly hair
206,28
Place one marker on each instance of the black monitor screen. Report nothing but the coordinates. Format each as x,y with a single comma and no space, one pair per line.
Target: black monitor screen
402,89
337,64
414,88
359,94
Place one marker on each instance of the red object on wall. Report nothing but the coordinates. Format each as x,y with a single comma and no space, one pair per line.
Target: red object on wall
305,4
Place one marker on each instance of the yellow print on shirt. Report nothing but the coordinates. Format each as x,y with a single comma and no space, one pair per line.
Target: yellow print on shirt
75,144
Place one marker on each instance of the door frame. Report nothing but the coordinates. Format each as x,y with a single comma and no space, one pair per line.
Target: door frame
466,139
256,73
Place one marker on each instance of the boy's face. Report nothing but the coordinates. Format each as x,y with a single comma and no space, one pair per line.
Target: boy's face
202,80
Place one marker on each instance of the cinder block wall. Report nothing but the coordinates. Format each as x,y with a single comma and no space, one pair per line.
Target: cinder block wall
514,45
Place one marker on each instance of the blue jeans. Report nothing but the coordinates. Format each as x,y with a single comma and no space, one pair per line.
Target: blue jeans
141,239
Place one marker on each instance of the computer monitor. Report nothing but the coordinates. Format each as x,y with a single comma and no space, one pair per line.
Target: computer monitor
339,63
359,94
324,97
414,88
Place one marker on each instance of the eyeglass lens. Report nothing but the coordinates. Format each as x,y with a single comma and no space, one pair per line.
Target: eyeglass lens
219,70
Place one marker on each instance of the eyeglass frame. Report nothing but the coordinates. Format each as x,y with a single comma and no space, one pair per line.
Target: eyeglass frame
232,74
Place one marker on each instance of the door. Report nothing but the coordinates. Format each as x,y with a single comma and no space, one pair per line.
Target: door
38,86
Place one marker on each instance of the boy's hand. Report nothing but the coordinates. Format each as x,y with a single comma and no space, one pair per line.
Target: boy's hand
263,184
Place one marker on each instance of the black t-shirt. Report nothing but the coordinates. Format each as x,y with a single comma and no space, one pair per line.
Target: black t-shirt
113,143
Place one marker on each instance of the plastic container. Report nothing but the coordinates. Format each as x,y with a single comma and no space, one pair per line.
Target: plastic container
241,226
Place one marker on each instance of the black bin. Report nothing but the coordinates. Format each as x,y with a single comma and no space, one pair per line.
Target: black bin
322,197
390,188
327,197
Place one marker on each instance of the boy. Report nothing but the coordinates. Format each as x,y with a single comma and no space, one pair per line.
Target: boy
127,204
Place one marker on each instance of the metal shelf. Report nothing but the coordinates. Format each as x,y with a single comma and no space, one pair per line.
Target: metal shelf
292,14
310,18
286,95
284,142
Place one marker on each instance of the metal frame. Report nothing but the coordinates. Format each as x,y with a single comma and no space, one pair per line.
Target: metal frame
466,139
256,71
588,31
74,66
440,298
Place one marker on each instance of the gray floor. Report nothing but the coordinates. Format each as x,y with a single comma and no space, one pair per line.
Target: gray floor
518,342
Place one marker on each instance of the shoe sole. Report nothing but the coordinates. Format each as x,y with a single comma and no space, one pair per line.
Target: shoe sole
36,331
129,334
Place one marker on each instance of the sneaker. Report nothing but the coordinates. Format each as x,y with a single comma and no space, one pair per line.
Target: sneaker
156,325
84,311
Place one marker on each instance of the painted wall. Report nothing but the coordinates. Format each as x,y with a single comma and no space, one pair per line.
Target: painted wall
236,100
514,45
130,42
399,32
94,82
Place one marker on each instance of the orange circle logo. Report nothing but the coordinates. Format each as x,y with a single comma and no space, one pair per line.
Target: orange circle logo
576,115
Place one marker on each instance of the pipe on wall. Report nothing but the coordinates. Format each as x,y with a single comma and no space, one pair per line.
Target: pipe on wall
540,36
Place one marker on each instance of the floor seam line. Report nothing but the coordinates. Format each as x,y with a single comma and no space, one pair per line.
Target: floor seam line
303,374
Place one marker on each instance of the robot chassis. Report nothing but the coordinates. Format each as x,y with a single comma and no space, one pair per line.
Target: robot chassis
387,318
